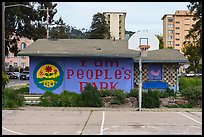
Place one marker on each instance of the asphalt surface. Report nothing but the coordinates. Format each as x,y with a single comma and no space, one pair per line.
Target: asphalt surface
101,121
15,82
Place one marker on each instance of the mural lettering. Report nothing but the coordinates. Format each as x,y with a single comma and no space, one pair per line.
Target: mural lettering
96,71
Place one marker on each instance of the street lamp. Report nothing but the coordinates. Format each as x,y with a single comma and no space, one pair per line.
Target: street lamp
3,29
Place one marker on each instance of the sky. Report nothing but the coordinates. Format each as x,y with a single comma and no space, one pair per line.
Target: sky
139,15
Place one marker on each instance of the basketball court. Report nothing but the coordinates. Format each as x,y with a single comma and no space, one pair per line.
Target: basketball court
90,121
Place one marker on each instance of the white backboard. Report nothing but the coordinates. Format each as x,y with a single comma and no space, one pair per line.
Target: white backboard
143,38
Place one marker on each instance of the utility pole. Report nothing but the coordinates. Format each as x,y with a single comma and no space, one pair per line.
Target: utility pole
3,35
47,20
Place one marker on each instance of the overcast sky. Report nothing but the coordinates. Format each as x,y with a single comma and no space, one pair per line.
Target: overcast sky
139,15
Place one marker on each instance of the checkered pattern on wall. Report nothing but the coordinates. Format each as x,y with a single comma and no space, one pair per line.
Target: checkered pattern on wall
168,73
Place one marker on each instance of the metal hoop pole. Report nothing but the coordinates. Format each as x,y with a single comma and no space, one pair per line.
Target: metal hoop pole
140,82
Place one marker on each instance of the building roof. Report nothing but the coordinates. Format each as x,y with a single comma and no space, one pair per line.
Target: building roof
79,48
164,55
97,48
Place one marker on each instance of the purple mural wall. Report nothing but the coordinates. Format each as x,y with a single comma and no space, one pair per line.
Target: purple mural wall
56,74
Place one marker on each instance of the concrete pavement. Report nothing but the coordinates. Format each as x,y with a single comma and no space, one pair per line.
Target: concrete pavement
101,121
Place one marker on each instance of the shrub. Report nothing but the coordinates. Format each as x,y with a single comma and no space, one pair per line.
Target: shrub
150,99
133,93
193,95
5,80
104,92
167,93
49,99
23,90
90,97
12,98
185,82
69,99
120,95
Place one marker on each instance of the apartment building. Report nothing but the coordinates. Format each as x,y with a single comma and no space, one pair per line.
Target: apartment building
176,27
116,23
15,61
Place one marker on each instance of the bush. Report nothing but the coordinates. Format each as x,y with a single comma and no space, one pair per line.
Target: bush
5,80
69,99
119,94
104,92
167,93
12,99
90,97
185,82
49,99
23,90
193,95
151,99
133,93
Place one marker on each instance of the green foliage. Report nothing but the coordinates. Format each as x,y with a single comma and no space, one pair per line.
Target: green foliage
192,52
104,92
120,95
69,99
134,92
12,99
49,99
161,41
90,97
150,99
193,95
167,93
185,82
20,20
5,79
23,90
99,27
196,30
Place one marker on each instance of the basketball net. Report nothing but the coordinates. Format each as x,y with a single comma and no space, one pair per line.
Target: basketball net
143,50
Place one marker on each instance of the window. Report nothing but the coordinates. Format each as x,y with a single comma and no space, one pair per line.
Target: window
177,33
15,64
186,18
23,45
170,31
170,37
170,25
187,24
23,65
177,39
170,20
177,27
177,22
177,44
170,42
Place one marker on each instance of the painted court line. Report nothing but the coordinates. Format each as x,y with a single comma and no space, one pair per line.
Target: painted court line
190,118
13,131
103,118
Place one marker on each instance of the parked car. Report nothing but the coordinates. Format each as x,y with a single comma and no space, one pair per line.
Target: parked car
24,75
11,75
191,74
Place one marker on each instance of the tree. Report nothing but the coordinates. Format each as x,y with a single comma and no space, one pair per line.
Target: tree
192,53
161,41
196,30
99,28
60,31
25,22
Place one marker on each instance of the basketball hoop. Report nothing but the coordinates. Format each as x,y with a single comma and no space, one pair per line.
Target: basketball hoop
143,50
